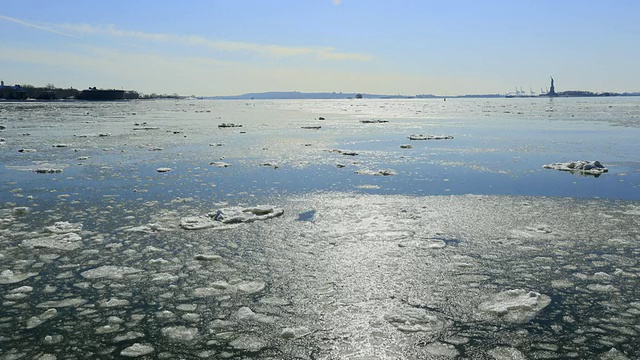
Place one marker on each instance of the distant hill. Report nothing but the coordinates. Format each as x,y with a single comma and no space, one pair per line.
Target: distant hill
296,95
293,95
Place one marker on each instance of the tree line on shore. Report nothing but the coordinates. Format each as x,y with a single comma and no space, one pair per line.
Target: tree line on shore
51,92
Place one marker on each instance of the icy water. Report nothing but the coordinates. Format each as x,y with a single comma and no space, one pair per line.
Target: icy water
144,230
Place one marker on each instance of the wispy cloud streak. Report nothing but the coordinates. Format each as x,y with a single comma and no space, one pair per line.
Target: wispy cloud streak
322,53
36,26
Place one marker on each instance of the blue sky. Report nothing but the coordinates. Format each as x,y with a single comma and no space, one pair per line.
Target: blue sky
390,47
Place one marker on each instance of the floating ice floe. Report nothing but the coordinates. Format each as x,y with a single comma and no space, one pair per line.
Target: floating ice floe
41,168
92,135
311,127
411,320
137,350
180,333
248,343
344,152
36,321
583,167
374,121
383,172
73,302
229,125
63,227
270,164
430,137
246,314
65,242
47,170
223,288
442,350
219,164
294,333
9,277
515,306
506,353
230,216
163,169
147,229
109,272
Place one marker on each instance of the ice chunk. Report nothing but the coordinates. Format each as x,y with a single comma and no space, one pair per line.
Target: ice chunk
516,306
294,333
109,272
506,353
197,222
234,215
180,333
207,257
248,343
35,321
22,289
231,215
131,335
383,172
602,288
415,320
164,278
250,287
9,277
614,354
65,242
187,307
137,350
63,227
107,329
219,164
73,302
163,169
583,167
440,349
430,137
114,302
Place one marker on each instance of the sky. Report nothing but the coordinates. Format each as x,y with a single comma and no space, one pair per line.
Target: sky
409,47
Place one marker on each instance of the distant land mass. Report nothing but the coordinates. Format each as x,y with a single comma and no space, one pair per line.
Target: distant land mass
296,95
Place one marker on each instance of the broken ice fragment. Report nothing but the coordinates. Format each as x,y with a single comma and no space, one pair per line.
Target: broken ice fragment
516,306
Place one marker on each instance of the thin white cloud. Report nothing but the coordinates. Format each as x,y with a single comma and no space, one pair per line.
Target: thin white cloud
322,53
76,30
337,2
35,26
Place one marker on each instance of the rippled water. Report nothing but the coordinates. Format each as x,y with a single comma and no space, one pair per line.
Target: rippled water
464,248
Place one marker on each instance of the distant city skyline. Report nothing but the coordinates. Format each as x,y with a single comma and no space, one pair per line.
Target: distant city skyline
408,47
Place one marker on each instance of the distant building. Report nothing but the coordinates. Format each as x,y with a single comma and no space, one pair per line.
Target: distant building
101,95
15,92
